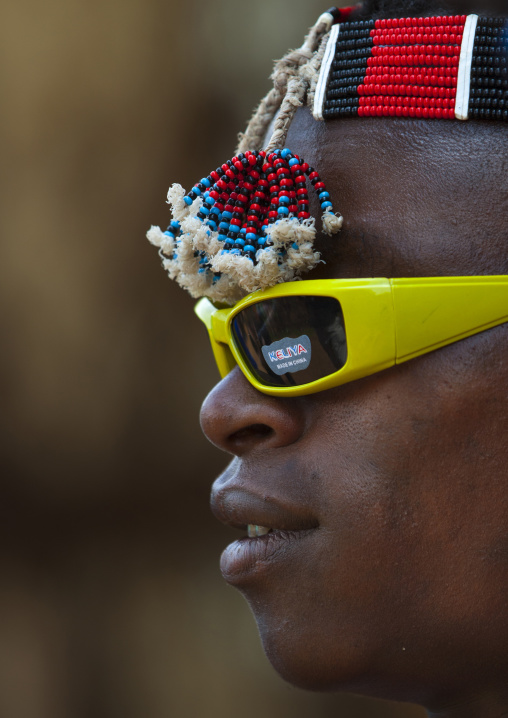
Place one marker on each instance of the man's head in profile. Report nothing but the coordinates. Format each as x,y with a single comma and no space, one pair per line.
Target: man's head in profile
377,508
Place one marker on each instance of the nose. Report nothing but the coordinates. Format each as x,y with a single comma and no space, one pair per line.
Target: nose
238,419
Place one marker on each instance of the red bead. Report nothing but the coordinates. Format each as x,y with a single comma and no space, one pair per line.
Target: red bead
320,185
300,179
293,208
273,214
305,167
237,222
313,175
286,183
303,215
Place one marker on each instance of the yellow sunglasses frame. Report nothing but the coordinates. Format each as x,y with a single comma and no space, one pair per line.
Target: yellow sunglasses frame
387,321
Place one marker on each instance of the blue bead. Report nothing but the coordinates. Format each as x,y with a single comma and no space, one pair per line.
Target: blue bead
215,210
169,234
284,200
187,201
295,246
251,236
262,241
206,182
236,251
283,211
222,237
234,228
239,242
285,153
224,225
325,205
205,209
294,162
227,215
249,248
196,190
324,195
175,225
243,230
212,224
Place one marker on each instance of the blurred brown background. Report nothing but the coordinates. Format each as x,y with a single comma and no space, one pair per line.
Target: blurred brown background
111,601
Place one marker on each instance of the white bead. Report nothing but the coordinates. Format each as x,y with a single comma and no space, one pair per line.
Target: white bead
326,65
464,73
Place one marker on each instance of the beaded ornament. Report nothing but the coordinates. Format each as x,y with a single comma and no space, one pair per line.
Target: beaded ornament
247,226
453,67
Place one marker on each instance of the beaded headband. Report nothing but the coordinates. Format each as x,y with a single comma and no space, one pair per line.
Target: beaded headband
247,226
433,68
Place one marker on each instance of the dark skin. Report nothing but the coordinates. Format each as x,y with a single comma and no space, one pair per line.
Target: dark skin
398,585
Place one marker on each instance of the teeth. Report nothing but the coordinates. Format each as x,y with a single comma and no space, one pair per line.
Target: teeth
255,531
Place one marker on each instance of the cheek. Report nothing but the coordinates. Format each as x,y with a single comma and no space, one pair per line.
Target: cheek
415,483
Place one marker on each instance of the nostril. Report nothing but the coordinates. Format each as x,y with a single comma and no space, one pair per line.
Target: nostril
252,432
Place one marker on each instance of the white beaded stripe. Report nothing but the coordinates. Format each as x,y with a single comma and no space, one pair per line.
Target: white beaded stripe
464,73
326,65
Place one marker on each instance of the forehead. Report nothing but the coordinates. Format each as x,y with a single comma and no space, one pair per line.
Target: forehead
419,198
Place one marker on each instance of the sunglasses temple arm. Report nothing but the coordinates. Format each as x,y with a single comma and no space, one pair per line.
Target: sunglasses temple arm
433,312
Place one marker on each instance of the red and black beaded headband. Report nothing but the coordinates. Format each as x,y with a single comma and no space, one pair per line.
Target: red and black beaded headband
449,68
247,225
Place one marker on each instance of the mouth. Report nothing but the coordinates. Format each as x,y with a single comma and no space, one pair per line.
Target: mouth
274,529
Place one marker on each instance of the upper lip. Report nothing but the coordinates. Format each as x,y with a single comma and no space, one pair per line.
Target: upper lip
236,504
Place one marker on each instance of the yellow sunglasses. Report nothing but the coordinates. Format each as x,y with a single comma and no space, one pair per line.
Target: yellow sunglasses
303,337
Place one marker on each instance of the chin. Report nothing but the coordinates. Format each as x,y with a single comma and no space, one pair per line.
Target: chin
305,661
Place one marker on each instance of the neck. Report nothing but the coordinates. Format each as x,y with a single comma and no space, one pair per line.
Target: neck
492,705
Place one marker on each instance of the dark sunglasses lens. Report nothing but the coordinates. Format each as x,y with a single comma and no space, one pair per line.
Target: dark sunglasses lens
290,341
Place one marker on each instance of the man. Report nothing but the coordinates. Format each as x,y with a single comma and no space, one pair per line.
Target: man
377,556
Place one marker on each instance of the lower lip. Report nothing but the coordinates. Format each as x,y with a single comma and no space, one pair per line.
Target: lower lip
251,556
